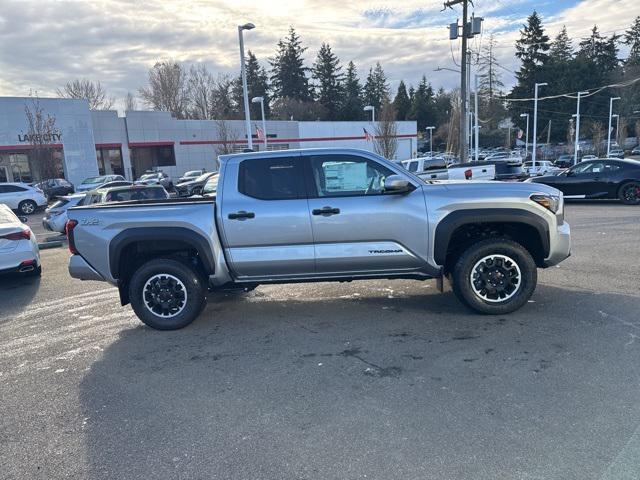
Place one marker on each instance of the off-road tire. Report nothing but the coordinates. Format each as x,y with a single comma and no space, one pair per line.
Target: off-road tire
192,284
462,270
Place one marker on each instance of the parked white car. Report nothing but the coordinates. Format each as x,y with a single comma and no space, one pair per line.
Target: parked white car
18,245
22,197
55,217
92,183
543,167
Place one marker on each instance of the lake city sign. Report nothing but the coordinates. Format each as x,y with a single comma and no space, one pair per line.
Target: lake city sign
40,138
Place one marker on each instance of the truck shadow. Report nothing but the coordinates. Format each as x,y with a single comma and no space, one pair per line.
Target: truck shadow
273,385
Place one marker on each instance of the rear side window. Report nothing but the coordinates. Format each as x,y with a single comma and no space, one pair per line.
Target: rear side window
271,178
11,189
435,164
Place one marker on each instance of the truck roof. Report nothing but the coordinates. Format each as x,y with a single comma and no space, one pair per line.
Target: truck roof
308,151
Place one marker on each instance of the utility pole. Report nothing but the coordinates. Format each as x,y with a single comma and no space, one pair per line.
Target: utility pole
468,30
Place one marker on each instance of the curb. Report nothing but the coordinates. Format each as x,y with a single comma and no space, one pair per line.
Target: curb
46,245
58,238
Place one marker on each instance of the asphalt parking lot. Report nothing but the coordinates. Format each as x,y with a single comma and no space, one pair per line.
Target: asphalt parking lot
377,379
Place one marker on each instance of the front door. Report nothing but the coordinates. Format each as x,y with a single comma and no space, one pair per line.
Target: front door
583,179
357,227
265,218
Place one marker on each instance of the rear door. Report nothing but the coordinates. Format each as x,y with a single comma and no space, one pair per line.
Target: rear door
357,227
265,217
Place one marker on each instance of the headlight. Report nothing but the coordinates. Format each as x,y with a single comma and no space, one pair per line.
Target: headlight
550,202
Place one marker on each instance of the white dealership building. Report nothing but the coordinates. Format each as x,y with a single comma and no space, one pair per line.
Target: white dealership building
87,143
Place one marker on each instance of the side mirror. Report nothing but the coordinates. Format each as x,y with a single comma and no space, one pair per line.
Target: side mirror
396,184
23,219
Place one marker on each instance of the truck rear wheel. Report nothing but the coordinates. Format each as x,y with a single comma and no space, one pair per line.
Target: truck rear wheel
166,294
495,276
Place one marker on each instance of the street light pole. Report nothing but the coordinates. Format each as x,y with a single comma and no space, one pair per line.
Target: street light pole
260,100
245,91
430,140
575,153
526,141
611,100
372,109
535,123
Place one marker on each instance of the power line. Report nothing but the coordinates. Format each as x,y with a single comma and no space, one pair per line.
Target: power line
571,94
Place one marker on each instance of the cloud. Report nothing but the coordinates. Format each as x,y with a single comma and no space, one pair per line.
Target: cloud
47,42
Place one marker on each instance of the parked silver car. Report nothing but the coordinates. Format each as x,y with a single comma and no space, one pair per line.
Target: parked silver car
55,217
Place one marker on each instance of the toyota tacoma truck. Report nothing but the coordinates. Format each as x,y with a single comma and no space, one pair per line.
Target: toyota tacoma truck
318,215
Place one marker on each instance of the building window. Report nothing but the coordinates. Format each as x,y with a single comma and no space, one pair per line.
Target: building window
149,158
32,165
110,161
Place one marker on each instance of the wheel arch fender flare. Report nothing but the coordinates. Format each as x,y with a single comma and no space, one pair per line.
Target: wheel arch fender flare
183,235
456,219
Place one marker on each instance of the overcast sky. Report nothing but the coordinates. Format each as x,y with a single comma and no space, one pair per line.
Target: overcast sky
46,42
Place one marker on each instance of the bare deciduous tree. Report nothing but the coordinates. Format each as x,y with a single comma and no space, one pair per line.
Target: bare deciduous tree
41,133
130,103
621,133
386,141
85,89
201,85
227,137
597,137
168,88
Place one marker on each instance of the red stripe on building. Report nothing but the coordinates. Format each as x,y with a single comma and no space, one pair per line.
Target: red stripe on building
28,146
151,144
108,145
285,140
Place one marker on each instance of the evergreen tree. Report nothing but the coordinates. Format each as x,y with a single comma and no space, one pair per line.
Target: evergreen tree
288,73
561,49
376,88
328,81
352,101
257,86
423,105
601,52
531,49
632,39
402,103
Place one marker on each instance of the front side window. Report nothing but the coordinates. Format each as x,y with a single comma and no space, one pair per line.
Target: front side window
347,175
271,178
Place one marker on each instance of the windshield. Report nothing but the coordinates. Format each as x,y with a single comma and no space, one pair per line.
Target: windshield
203,177
193,173
149,176
94,180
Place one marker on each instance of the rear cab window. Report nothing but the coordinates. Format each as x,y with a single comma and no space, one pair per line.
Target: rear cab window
279,178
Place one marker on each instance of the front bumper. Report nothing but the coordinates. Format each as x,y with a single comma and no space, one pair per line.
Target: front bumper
80,269
559,245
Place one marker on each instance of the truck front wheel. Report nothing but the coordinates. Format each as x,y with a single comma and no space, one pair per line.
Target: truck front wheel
166,294
495,276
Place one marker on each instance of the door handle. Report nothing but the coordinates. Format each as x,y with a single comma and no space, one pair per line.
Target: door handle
326,211
241,215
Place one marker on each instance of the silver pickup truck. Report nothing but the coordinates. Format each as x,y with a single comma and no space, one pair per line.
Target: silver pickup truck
320,215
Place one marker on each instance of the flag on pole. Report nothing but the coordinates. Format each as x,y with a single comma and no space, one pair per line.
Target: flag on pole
260,133
367,136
